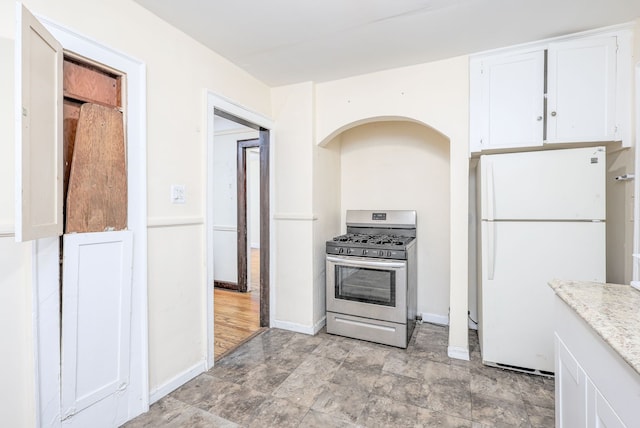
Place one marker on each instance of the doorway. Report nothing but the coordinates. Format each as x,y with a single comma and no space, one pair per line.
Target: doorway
240,184
248,191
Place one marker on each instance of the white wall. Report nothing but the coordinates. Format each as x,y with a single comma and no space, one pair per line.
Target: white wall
17,370
178,70
327,192
17,408
253,197
225,203
405,166
295,294
619,216
6,128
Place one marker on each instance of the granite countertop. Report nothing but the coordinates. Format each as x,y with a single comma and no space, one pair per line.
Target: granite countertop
612,311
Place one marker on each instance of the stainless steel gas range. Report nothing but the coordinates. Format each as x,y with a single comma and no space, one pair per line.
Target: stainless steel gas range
372,277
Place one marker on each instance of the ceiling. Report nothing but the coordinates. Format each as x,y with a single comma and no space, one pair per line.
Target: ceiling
290,41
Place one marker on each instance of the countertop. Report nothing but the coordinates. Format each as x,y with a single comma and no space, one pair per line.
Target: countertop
611,310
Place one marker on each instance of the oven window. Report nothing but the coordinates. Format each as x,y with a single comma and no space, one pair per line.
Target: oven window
366,285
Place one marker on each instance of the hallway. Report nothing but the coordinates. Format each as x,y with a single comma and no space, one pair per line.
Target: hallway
237,315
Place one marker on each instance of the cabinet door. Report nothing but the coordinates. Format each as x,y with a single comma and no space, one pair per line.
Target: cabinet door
96,328
512,101
600,414
571,389
39,167
581,89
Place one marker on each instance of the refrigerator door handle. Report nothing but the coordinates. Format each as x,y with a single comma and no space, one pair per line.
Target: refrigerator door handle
491,250
490,192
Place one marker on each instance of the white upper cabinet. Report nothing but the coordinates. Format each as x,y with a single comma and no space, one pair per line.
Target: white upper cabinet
573,89
39,133
581,90
512,108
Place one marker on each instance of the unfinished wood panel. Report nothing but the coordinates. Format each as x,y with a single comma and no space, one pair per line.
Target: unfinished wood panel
71,114
86,83
97,195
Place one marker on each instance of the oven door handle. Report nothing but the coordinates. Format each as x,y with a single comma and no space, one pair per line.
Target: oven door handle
367,263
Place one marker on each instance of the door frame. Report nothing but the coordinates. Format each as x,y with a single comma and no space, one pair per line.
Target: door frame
241,222
216,104
46,275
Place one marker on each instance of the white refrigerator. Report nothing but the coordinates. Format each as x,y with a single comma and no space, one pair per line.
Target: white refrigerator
542,217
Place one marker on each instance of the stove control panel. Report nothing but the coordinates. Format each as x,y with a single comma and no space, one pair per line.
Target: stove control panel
367,252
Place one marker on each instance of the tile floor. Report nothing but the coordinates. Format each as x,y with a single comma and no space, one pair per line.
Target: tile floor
285,379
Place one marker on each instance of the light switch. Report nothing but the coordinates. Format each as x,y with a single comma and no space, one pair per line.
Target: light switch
177,194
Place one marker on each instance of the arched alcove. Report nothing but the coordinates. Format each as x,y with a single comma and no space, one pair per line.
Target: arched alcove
392,163
376,119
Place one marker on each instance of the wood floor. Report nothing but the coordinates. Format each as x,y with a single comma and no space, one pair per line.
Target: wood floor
237,315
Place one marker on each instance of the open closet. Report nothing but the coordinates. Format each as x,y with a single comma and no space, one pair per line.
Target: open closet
95,173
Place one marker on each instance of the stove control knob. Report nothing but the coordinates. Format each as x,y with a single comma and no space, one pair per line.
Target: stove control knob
349,251
388,253
365,252
381,253
341,250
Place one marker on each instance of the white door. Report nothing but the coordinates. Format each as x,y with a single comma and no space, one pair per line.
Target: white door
546,185
518,261
581,89
96,328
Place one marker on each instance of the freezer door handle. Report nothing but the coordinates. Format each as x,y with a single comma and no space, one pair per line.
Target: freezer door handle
491,250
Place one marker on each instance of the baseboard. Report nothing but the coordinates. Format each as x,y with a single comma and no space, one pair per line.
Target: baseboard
435,319
319,325
226,285
298,328
458,352
176,382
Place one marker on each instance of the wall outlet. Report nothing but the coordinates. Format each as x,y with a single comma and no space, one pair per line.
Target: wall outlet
178,194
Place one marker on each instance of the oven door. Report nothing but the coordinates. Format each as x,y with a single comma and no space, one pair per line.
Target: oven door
367,287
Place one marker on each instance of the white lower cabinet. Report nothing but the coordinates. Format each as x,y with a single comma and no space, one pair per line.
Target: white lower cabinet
595,388
599,411
571,389
578,402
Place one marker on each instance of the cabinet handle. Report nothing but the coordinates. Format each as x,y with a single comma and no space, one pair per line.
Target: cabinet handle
539,118
553,113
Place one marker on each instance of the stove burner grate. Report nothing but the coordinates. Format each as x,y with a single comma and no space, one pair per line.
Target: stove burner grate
360,238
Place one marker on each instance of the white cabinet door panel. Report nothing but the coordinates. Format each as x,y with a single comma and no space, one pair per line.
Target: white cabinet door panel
582,90
39,130
600,414
513,101
96,320
571,389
